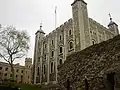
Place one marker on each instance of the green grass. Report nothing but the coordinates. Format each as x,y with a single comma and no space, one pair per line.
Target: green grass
28,87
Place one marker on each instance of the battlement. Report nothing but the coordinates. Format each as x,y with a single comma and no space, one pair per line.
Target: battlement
95,22
59,28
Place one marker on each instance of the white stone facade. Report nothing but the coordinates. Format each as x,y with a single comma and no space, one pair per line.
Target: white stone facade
76,34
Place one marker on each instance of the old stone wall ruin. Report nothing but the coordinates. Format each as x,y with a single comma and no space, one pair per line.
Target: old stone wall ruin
95,63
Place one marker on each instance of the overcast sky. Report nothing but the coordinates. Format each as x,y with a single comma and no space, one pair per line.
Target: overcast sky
28,14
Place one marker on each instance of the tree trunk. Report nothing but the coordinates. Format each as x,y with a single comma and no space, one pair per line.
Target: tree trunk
12,70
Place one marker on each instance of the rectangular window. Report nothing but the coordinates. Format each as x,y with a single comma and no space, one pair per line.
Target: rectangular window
0,68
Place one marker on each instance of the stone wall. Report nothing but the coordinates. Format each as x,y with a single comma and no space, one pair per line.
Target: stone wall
94,62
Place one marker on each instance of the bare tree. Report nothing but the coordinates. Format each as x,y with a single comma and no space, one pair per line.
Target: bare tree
14,45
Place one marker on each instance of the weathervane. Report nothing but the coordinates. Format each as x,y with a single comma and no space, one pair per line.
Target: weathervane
110,17
41,25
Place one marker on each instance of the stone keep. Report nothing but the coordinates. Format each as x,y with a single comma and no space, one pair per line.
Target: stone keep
76,34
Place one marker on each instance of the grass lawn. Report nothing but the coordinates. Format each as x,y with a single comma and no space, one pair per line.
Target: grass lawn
28,87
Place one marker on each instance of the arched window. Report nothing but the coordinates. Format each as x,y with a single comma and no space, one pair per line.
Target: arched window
52,67
71,45
60,61
52,53
60,37
60,49
70,32
93,41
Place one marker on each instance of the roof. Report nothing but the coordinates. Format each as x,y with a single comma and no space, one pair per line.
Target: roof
40,30
112,23
6,64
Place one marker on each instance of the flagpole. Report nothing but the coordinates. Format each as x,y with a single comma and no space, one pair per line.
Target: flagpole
56,42
55,17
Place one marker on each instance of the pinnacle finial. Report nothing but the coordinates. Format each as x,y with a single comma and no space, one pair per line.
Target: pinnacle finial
41,25
110,17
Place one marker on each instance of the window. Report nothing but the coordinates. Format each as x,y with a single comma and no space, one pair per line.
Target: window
70,32
5,74
60,61
10,75
22,71
38,71
38,59
45,45
51,67
17,70
91,32
45,56
93,41
52,42
21,76
60,49
60,37
28,77
44,69
0,68
6,69
71,45
52,53
16,76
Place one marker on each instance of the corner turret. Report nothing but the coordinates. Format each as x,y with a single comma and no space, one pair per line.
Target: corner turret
28,63
80,24
38,42
40,30
113,26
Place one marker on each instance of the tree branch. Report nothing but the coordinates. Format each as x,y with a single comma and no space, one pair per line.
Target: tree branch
18,57
4,58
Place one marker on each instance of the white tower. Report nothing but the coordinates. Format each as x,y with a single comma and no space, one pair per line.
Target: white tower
36,67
